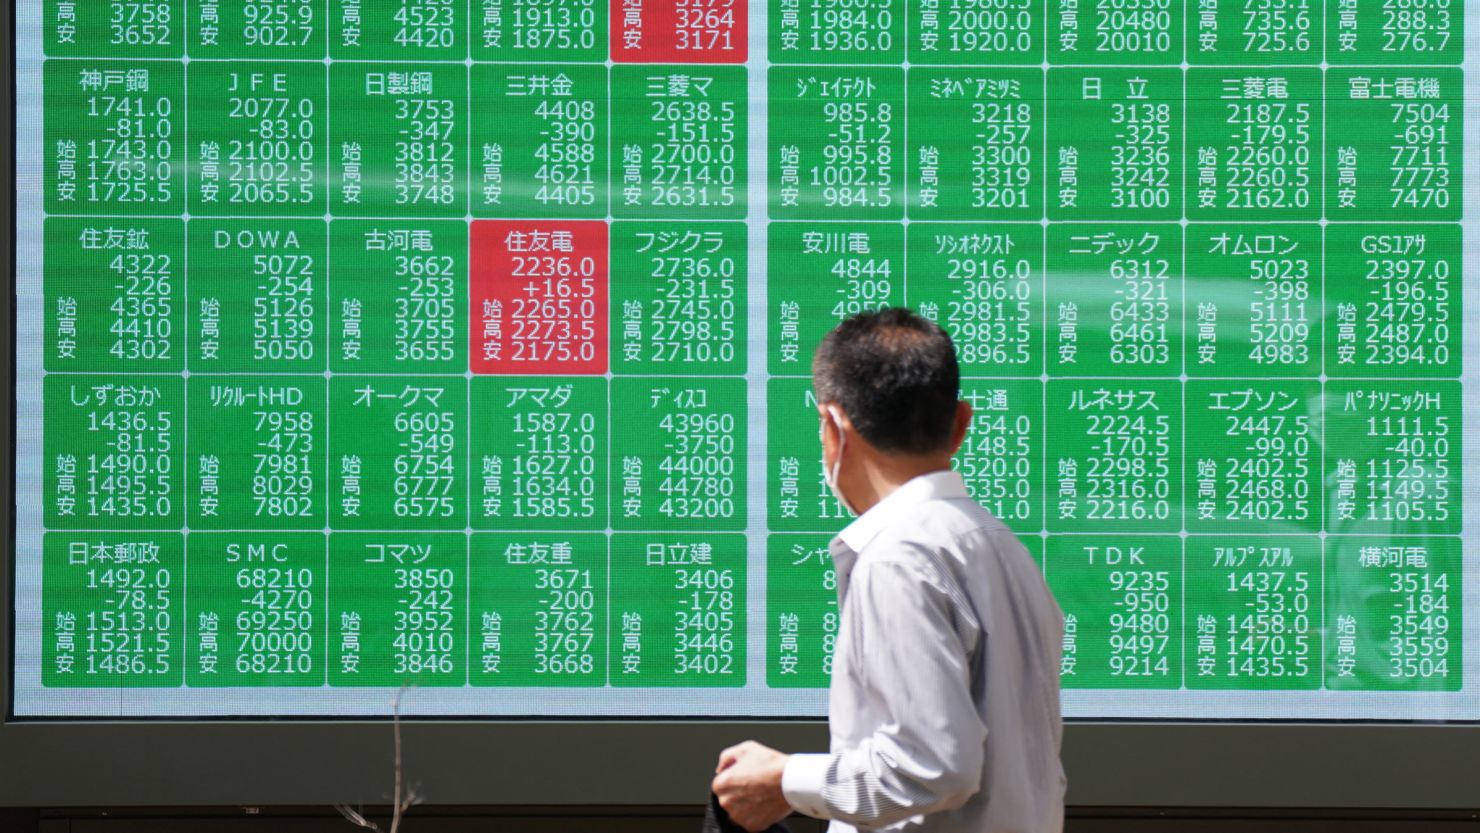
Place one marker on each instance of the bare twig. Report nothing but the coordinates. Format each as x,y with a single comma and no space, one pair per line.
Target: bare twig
400,805
356,818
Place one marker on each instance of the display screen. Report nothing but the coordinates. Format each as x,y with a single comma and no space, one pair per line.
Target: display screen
462,347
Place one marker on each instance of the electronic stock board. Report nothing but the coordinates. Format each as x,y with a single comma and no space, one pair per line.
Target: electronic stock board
464,345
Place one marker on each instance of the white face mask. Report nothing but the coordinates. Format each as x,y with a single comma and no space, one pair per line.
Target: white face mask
830,475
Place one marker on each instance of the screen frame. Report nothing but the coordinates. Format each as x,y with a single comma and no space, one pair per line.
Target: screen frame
635,762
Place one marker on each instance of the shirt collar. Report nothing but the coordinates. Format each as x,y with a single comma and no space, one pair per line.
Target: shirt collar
937,485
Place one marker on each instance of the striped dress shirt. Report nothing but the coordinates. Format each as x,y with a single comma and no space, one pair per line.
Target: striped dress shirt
944,705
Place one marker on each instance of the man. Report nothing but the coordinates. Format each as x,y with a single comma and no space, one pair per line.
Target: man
944,705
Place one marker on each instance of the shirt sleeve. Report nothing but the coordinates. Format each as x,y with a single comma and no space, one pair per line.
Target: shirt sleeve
926,754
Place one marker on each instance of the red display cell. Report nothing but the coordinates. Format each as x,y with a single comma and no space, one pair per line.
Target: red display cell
539,297
679,31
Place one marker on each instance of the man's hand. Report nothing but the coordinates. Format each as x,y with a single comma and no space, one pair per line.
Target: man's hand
748,784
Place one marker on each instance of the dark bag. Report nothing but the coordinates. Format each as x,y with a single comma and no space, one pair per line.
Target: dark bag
716,820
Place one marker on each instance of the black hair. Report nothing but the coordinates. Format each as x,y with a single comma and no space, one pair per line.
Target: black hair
895,375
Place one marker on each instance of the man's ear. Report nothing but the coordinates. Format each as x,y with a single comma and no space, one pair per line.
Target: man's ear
829,430
961,425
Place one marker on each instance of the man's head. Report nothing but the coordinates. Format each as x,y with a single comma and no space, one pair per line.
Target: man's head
894,375
892,379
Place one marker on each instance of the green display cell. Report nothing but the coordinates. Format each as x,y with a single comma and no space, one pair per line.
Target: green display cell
1394,613
679,461
398,30
114,295
396,455
1253,456
259,29
1254,144
111,610
1122,603
114,28
540,448
983,283
1398,311
1126,32
836,143
545,155
1256,33
994,169
256,452
1379,32
1253,613
802,611
258,139
400,146
257,291
680,133
834,32
1115,466
678,295
1034,544
678,610
400,297
1393,457
834,271
797,496
257,608
114,137
964,32
1115,300
398,612
539,606
1398,157
114,452
1254,300
1115,144
1001,459
540,32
